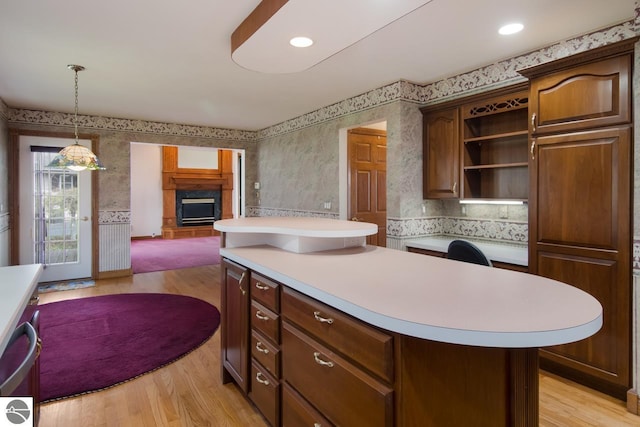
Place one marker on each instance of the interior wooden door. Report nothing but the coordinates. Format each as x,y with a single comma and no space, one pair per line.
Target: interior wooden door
367,153
580,208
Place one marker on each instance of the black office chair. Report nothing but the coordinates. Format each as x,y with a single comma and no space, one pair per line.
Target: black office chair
461,250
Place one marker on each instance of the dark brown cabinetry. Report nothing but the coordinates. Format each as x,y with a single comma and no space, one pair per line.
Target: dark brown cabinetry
234,325
265,347
580,202
476,147
441,148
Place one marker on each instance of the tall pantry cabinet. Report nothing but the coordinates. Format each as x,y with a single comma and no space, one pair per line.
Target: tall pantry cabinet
580,125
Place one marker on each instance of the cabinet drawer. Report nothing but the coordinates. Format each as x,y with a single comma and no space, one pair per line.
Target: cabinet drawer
265,321
266,353
343,393
363,344
297,412
265,291
265,393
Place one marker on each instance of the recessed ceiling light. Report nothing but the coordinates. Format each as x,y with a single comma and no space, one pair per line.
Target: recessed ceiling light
301,42
511,29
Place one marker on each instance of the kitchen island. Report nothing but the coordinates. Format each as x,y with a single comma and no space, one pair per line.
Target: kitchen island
377,336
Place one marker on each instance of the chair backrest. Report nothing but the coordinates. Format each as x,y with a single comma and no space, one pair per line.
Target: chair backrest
461,250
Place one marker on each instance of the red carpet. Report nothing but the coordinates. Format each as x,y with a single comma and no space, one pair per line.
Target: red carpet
171,254
90,344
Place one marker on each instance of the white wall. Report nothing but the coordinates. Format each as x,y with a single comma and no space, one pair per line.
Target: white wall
146,190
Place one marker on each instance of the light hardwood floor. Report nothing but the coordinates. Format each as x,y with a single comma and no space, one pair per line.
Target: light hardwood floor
189,392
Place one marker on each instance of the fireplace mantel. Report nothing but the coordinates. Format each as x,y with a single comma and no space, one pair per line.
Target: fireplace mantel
199,183
175,178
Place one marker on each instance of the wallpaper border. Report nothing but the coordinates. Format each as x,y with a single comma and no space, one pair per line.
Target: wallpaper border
114,217
4,110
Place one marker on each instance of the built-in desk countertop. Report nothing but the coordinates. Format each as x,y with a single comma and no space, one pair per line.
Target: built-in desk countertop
516,254
17,284
429,297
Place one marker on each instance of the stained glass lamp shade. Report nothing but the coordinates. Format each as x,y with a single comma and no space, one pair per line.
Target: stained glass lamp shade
76,157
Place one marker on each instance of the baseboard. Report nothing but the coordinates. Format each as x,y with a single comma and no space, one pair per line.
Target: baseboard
114,274
633,401
157,236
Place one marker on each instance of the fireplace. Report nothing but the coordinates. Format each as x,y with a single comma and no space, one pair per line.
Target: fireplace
197,207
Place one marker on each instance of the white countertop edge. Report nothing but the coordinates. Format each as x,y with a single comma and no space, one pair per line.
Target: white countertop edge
25,288
320,227
440,334
299,233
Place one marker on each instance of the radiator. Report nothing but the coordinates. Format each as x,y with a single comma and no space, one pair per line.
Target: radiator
115,247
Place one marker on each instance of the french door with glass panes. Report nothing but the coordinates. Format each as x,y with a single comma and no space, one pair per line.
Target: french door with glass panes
55,211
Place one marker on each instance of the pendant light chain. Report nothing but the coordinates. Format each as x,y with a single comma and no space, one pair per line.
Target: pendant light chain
76,68
76,111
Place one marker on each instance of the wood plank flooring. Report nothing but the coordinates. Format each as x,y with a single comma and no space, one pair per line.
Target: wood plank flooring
189,392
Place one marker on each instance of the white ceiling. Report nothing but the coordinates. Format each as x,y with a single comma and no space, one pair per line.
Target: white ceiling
170,61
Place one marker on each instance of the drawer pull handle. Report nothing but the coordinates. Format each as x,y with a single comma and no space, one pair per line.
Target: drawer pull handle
316,357
261,286
244,273
533,122
261,349
261,316
321,319
533,146
261,379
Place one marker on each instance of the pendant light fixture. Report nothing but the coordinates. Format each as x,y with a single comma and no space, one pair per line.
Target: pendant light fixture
76,157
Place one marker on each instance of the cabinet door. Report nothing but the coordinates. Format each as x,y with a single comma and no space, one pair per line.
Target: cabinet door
441,148
580,234
584,97
235,324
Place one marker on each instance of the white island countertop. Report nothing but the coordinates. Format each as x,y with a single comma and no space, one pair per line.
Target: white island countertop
433,298
17,284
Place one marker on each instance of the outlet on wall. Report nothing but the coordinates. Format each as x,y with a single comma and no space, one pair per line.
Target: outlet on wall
504,212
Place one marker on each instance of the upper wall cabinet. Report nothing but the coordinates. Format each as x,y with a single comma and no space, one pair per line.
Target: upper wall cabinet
441,170
597,95
477,147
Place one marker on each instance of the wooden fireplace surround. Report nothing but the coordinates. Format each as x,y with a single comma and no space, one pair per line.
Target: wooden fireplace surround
175,178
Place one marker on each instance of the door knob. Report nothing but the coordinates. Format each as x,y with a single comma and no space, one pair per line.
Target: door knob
84,218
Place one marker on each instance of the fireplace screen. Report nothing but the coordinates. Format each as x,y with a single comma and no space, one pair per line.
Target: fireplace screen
198,211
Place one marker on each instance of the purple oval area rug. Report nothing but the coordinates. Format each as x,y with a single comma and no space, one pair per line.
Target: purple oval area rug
90,344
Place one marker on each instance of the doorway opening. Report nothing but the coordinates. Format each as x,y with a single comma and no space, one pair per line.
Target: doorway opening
363,171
